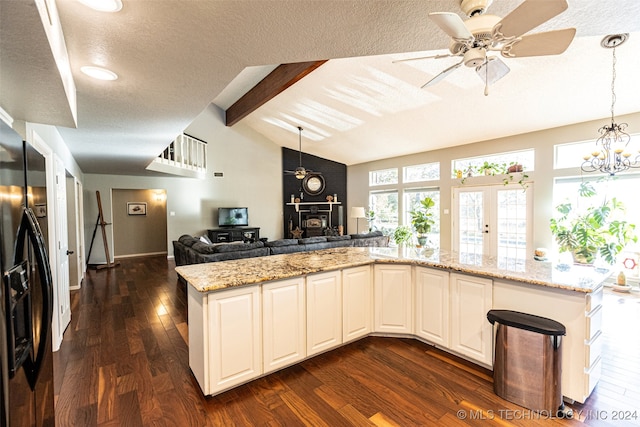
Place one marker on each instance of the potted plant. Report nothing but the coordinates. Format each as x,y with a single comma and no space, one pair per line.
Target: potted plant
370,216
422,219
402,235
596,230
489,168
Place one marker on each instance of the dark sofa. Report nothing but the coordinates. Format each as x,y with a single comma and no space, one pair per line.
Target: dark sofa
193,250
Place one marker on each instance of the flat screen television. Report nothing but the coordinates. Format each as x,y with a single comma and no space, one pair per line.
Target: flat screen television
233,217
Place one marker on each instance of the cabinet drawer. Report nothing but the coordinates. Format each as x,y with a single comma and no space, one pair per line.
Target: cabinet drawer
594,299
591,377
593,322
593,349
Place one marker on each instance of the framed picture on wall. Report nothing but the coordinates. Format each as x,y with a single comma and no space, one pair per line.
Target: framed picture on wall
136,208
40,210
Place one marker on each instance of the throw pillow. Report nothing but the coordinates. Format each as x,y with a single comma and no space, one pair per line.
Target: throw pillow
205,239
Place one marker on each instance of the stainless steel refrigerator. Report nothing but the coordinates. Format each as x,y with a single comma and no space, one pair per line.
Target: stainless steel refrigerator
26,295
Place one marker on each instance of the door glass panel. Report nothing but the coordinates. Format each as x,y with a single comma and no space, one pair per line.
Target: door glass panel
471,223
512,229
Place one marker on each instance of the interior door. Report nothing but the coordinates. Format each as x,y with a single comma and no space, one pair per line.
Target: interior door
493,220
64,300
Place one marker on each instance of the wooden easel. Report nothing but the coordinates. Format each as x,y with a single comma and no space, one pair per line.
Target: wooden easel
100,221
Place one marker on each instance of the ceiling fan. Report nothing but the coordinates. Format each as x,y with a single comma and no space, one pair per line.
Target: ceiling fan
482,33
300,172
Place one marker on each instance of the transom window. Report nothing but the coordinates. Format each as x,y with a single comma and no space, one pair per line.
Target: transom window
524,158
383,177
571,155
424,172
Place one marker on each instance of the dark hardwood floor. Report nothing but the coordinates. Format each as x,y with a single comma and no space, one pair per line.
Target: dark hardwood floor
124,362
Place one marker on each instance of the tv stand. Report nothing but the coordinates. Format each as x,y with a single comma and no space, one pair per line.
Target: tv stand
234,234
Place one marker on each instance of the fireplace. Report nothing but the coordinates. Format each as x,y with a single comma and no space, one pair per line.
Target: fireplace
314,224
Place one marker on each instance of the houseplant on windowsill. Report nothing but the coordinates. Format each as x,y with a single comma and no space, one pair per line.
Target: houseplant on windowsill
489,168
422,219
402,235
596,230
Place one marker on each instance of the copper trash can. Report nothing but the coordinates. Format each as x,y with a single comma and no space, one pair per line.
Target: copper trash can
527,369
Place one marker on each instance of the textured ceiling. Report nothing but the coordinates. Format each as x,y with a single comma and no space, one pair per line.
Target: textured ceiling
175,57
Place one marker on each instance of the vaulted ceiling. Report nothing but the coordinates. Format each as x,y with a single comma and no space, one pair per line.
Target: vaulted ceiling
175,57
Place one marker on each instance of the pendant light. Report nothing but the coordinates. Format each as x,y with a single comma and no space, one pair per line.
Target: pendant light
611,154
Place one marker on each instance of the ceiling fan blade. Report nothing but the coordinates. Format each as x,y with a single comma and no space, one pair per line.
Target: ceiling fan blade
539,44
529,15
451,24
443,55
442,75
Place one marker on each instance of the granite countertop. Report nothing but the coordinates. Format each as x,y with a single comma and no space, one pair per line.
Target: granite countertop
216,276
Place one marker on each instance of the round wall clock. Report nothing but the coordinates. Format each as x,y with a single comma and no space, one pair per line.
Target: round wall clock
313,184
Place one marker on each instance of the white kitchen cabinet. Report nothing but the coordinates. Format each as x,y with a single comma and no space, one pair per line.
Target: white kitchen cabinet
324,311
432,305
229,337
580,313
283,323
393,299
357,303
471,332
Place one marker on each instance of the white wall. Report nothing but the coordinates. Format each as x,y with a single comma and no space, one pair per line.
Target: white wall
53,139
543,176
252,168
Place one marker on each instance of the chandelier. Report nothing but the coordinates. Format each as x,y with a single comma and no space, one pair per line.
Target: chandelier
611,155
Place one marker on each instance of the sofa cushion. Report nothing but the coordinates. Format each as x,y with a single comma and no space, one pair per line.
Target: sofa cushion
376,233
203,248
338,238
316,239
187,240
239,246
281,242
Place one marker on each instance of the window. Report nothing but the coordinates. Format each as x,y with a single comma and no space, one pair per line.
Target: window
383,177
412,199
525,158
572,155
425,172
385,206
623,187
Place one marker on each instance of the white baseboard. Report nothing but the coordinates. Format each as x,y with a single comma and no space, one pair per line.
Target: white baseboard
140,255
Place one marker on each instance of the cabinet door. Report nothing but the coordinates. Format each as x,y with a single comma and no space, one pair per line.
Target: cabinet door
356,302
235,346
324,312
393,311
283,323
432,305
471,332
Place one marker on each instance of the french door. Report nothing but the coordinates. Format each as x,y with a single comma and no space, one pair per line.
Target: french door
493,220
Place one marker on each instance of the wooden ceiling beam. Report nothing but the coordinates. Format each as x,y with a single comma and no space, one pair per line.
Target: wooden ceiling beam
276,82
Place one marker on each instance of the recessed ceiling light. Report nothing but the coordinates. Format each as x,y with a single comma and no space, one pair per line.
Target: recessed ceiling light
103,5
99,73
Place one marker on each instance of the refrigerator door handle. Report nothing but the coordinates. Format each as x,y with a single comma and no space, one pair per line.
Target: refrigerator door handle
30,229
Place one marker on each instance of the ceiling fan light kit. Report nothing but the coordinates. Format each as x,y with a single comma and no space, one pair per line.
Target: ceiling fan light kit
611,154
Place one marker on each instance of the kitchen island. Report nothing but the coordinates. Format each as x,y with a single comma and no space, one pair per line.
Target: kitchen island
252,316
